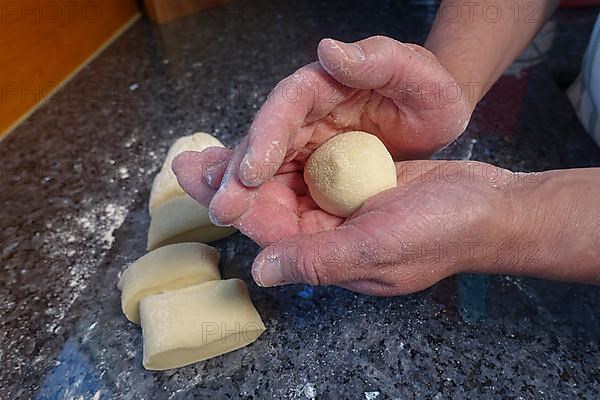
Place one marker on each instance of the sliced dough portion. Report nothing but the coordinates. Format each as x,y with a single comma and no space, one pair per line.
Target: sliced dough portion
188,325
182,219
168,268
175,216
165,185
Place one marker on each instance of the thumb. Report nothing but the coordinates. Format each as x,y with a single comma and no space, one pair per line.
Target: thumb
325,258
380,63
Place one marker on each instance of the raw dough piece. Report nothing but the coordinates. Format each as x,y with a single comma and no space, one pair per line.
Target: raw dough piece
182,219
347,170
168,268
175,216
165,185
188,325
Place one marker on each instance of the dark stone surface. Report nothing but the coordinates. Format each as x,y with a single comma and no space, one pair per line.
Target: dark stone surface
570,31
76,179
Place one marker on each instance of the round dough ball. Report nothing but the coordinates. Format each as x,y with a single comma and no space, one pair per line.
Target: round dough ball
347,170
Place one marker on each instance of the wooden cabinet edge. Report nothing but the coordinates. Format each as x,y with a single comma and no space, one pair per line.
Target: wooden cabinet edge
11,126
163,11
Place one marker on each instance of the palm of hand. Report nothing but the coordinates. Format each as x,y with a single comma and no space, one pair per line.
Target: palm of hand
405,239
283,207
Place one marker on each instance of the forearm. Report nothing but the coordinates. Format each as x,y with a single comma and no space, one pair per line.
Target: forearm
556,224
477,40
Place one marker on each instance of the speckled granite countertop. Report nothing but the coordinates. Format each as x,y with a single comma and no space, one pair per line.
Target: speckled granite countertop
76,179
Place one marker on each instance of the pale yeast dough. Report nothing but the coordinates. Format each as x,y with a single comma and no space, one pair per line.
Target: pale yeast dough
167,268
188,325
347,170
165,185
183,219
187,312
174,216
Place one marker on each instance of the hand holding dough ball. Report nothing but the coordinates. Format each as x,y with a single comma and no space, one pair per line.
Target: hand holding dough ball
168,268
196,323
175,216
347,170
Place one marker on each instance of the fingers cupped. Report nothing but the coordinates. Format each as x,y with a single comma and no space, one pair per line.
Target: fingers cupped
380,63
304,97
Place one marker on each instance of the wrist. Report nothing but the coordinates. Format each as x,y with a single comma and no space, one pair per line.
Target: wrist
495,242
468,71
471,89
519,229
550,229
485,236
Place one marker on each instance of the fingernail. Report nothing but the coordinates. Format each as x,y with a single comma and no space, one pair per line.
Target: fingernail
247,173
267,272
214,220
352,51
224,182
208,177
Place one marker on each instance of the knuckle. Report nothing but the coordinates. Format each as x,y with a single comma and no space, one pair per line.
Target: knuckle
309,269
378,38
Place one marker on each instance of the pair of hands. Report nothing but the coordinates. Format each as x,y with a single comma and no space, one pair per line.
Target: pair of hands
402,240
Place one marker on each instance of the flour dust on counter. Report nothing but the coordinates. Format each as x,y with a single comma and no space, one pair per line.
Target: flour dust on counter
65,238
77,244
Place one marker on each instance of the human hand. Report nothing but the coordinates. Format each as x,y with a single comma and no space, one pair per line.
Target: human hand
400,241
438,222
398,92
